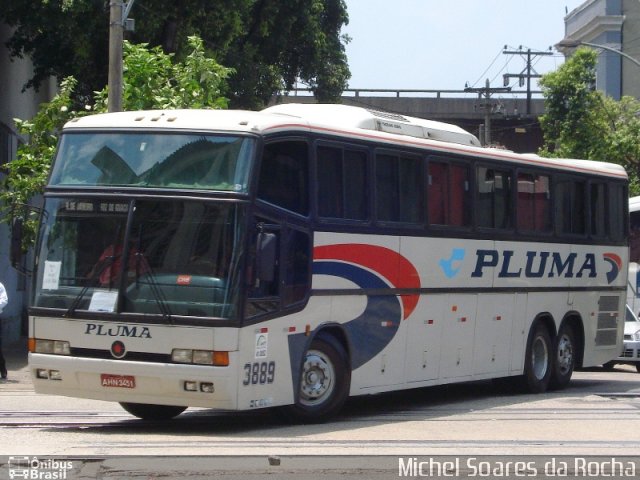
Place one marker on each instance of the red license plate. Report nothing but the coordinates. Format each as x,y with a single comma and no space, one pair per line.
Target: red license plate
118,381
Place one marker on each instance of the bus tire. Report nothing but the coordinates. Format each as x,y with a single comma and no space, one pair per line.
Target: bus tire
538,360
324,382
564,358
147,411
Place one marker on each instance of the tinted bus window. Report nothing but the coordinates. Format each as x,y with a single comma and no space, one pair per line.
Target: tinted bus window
570,207
342,183
284,176
494,198
618,203
598,202
534,203
448,194
399,196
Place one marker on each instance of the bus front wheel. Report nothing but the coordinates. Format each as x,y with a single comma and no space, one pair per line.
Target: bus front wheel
324,382
538,360
147,411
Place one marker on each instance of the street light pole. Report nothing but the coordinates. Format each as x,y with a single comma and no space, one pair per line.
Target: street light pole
576,43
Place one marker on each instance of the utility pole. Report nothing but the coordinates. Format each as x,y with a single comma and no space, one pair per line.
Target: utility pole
118,13
487,91
527,72
116,36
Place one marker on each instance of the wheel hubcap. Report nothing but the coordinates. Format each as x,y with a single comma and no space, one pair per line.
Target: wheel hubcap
539,358
317,378
565,355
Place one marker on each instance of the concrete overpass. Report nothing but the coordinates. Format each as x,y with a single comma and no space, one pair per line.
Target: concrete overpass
511,125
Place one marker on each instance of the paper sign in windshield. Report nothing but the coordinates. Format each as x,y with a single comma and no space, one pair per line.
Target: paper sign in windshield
51,275
103,301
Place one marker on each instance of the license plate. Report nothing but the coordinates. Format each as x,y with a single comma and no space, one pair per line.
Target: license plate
118,381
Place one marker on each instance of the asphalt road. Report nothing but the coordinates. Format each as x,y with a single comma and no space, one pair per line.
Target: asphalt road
596,419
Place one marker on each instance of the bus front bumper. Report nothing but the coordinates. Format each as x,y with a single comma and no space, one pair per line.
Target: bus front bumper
134,382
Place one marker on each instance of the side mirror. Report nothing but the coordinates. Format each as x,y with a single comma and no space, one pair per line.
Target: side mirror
266,250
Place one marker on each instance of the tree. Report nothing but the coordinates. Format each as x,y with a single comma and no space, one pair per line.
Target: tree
271,44
62,38
152,80
582,122
28,173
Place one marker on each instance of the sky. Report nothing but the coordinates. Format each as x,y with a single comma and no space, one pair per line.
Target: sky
443,44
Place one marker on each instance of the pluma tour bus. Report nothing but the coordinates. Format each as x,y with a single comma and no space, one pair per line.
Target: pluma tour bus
303,254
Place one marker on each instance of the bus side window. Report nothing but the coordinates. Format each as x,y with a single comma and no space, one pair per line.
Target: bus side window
448,194
617,208
284,176
288,281
598,200
570,207
330,182
342,183
460,192
438,193
534,203
296,267
399,194
494,198
263,293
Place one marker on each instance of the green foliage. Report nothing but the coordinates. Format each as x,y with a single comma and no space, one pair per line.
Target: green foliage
62,38
285,41
151,81
27,175
271,44
582,122
28,172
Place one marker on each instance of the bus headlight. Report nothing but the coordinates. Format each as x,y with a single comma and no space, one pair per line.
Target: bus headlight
52,347
200,357
181,355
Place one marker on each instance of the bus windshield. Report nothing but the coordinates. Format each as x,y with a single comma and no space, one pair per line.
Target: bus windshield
171,160
165,257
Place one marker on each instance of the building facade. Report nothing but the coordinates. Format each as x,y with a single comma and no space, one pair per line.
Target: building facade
15,102
616,25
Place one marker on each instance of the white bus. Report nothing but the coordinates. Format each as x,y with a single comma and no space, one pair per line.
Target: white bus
633,294
297,256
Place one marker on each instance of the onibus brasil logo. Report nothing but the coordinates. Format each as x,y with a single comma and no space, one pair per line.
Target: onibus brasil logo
40,469
533,264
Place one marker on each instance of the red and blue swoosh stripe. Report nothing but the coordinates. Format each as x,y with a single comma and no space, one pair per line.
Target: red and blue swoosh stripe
616,265
375,270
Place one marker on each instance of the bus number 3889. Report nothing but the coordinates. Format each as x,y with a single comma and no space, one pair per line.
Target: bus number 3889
259,373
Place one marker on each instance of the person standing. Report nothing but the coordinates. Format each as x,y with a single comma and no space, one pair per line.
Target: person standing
4,299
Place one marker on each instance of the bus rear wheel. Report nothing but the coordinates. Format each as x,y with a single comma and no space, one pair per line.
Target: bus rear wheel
147,411
538,360
324,382
564,359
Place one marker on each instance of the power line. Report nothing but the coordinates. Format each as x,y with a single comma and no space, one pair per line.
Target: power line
486,70
504,67
528,73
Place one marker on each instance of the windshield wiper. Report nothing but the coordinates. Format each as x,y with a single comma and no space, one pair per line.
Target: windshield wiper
102,265
158,296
